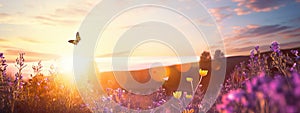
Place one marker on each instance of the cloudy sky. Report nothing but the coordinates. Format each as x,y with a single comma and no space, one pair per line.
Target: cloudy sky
245,23
42,28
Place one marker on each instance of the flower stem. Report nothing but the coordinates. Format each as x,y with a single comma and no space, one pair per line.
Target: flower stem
192,87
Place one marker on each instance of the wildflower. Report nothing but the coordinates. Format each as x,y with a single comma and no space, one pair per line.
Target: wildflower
37,69
203,72
3,66
1,55
189,79
256,48
20,62
295,52
188,111
252,54
293,67
230,96
177,94
188,96
275,47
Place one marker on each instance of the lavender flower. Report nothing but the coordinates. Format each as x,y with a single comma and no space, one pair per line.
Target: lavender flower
4,82
252,54
20,61
263,93
293,67
277,89
295,52
3,66
275,47
20,65
256,48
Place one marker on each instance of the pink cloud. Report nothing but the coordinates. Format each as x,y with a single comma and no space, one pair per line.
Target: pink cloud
4,17
69,14
245,49
241,36
252,26
55,21
11,54
220,13
241,11
237,30
249,6
292,33
255,31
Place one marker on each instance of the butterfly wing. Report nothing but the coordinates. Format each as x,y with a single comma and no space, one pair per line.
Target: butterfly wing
78,37
73,42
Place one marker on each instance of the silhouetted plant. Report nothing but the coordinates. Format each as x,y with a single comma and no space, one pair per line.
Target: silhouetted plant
4,85
37,68
18,82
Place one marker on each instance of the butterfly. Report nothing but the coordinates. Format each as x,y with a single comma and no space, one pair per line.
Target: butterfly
75,42
188,111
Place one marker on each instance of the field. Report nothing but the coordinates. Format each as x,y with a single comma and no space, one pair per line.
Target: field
266,82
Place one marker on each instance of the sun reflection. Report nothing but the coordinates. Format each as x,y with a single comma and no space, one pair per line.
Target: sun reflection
160,73
183,67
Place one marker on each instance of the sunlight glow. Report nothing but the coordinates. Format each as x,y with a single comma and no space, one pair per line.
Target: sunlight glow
66,64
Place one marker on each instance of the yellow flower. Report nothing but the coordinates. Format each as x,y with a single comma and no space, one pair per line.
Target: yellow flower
189,96
177,94
189,79
203,72
188,111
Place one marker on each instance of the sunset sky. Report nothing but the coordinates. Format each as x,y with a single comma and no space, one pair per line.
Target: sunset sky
42,28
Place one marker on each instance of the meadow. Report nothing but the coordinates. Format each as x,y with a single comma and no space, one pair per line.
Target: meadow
263,82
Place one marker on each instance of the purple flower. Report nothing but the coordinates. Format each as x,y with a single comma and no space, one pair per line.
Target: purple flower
20,60
295,52
293,67
1,55
3,65
252,54
37,69
275,47
297,58
256,48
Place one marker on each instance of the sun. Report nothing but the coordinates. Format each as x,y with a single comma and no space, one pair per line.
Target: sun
66,64
65,69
